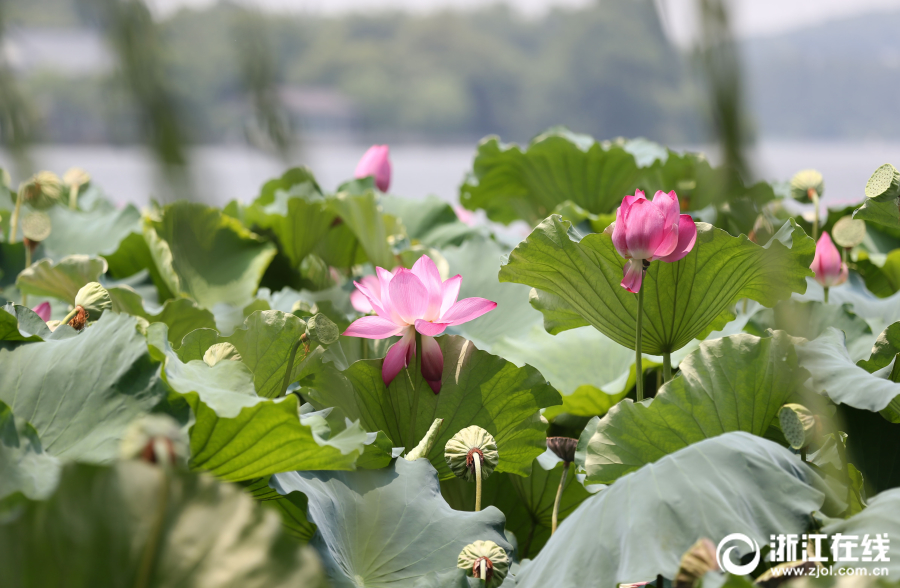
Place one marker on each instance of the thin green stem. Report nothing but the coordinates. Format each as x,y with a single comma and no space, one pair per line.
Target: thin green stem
639,370
559,493
411,439
814,196
73,197
667,366
14,221
149,556
70,316
290,364
477,457
826,294
27,265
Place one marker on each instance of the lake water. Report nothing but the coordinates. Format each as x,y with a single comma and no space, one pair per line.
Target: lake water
223,173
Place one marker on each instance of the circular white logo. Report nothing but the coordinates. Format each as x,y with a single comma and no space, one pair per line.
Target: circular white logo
724,559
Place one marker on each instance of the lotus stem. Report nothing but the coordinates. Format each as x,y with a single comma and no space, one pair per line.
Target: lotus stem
826,294
639,369
290,364
477,458
814,196
415,406
667,366
73,197
149,555
559,492
70,316
27,265
744,311
14,221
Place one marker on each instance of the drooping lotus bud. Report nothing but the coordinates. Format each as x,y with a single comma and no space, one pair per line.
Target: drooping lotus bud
43,311
42,191
848,232
322,330
35,228
376,162
156,438
424,447
221,352
827,265
807,184
563,447
94,299
494,558
461,448
695,563
798,425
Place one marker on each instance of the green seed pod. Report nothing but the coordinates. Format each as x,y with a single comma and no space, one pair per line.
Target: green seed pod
36,227
322,330
884,184
156,438
803,182
848,232
94,299
42,191
460,449
495,559
76,176
798,424
221,352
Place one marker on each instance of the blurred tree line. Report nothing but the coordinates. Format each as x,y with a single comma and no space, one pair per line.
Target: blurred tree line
606,69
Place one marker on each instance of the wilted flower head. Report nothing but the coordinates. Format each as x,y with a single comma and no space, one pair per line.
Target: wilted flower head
646,231
42,191
830,270
415,300
490,555
563,447
43,311
375,162
460,450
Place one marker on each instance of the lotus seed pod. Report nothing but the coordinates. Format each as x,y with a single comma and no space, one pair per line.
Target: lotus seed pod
322,330
94,299
424,447
695,563
75,176
36,227
461,448
884,184
848,232
301,307
563,447
42,191
221,352
5,179
798,424
156,438
804,182
495,559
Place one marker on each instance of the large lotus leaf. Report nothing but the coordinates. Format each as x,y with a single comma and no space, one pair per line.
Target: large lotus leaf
61,280
12,261
134,525
835,375
363,215
266,343
682,300
478,389
133,256
735,383
238,435
873,446
388,527
880,518
20,323
881,213
431,221
641,525
527,502
180,314
205,254
24,465
94,232
292,507
81,392
862,302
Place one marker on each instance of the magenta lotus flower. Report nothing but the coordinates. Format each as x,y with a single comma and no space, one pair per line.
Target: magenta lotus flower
830,270
375,163
359,300
646,231
43,311
415,300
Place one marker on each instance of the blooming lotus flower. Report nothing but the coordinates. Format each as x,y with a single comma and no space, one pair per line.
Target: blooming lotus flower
415,300
43,311
359,300
830,271
646,231
375,163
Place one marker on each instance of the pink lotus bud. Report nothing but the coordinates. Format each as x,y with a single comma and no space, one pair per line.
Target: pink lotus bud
375,162
646,231
830,271
43,311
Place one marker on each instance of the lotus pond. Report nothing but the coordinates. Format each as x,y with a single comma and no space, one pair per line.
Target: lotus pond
353,388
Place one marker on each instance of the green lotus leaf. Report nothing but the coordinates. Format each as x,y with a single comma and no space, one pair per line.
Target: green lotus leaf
180,314
682,300
94,232
151,529
362,214
12,261
478,389
884,280
24,465
431,221
880,518
206,255
733,483
388,527
735,383
880,213
20,323
292,507
238,435
873,446
527,502
133,256
61,280
81,392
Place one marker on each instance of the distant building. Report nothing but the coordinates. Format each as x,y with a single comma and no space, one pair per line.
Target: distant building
69,52
320,111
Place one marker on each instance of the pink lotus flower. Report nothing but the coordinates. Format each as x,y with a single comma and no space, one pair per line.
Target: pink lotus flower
415,300
646,231
827,265
375,162
43,311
